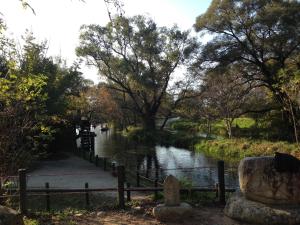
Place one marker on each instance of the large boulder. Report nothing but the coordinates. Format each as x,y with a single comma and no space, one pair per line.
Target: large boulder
240,208
9,216
261,181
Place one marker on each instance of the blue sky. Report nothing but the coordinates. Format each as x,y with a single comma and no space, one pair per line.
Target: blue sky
58,21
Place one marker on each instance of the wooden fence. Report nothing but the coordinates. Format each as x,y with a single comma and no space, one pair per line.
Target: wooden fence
23,191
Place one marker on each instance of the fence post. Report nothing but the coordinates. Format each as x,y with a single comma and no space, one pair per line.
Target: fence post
93,135
161,174
121,179
1,191
156,185
104,164
113,167
128,193
91,157
217,189
137,178
47,197
22,190
87,197
221,181
97,160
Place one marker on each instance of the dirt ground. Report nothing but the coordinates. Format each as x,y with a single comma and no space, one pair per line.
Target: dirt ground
141,214
72,172
203,216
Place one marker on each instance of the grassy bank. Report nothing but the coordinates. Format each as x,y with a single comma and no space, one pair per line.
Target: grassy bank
236,149
183,134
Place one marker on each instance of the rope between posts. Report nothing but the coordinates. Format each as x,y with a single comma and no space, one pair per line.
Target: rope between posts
62,174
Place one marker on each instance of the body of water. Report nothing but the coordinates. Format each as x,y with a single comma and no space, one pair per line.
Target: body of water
158,161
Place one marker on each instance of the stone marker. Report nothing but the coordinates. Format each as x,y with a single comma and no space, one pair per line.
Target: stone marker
260,181
172,209
240,208
171,191
268,195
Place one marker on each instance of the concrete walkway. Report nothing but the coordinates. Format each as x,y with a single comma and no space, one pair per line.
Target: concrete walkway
72,172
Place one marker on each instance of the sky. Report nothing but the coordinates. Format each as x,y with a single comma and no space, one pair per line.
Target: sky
59,21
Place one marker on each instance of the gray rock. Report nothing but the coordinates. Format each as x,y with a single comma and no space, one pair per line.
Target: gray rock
240,208
9,216
172,213
260,181
171,191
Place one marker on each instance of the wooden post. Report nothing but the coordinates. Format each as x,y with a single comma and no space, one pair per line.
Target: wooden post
104,164
221,180
137,178
121,178
91,157
87,197
217,190
156,185
1,192
22,190
128,193
113,167
97,160
161,174
93,142
47,197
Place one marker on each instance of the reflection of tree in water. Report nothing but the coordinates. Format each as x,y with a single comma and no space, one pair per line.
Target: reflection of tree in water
152,164
149,165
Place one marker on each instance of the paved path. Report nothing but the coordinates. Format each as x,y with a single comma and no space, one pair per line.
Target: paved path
72,172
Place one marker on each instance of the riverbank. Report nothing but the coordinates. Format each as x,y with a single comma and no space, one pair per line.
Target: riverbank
237,149
231,150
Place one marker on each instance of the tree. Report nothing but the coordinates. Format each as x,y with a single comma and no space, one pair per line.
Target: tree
262,35
137,58
35,96
227,96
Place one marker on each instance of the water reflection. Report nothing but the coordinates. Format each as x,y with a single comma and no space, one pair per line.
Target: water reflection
159,161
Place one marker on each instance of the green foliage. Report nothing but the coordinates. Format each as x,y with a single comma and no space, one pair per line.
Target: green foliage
237,149
244,122
28,221
247,34
138,59
185,125
34,100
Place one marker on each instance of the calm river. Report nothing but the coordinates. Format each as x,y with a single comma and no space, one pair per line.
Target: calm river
186,165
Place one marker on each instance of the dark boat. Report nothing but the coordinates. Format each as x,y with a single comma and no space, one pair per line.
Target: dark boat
104,128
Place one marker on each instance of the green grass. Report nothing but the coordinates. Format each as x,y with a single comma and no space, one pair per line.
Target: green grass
236,149
244,122
28,221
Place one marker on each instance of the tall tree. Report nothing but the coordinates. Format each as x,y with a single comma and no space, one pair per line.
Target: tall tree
137,58
227,96
263,35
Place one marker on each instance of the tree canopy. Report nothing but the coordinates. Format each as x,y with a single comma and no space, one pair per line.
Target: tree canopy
262,35
137,58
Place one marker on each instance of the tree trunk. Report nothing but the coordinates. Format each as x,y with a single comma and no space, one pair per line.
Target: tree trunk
149,122
229,127
288,109
294,122
165,121
208,125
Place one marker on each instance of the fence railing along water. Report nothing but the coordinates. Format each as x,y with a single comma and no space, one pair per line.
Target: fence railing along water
127,181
